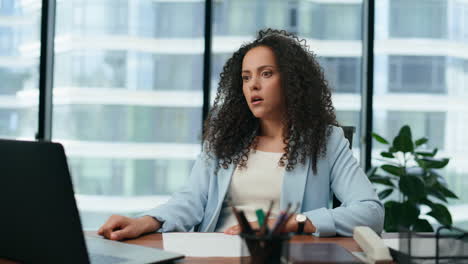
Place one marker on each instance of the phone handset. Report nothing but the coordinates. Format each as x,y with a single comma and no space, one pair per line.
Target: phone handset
373,246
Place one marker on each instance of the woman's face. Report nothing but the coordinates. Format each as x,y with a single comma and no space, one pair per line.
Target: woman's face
261,84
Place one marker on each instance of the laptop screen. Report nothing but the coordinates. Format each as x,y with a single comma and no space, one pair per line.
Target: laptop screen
39,219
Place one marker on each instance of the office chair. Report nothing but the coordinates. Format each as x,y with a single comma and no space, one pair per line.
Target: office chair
348,133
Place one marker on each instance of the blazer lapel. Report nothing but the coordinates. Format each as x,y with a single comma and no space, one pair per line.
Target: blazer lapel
294,183
224,178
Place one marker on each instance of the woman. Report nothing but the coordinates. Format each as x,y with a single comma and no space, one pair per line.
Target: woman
272,134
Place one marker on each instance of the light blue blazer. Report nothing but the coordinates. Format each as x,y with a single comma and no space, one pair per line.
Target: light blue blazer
198,205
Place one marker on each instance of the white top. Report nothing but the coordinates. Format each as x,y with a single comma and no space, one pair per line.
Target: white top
253,188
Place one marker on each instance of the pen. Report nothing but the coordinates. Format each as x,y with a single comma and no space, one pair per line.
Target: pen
260,217
264,228
289,217
245,226
236,213
279,221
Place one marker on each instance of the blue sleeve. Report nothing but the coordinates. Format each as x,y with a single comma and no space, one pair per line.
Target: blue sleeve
360,204
186,208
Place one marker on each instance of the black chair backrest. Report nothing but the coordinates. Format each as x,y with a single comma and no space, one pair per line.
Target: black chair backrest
348,133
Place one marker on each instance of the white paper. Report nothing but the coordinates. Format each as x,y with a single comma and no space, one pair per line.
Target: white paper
392,243
205,244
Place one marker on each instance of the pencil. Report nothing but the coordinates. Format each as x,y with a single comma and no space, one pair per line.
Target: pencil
264,227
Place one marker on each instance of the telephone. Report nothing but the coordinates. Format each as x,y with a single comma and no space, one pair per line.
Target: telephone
372,245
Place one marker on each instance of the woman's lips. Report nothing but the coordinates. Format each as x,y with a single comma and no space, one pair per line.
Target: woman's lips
256,102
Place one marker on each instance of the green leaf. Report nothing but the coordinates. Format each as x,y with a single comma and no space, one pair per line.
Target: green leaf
422,225
387,154
413,187
405,131
392,212
385,193
409,214
446,192
434,152
384,180
427,202
441,214
380,139
420,141
432,163
436,193
430,180
425,153
392,150
398,171
404,142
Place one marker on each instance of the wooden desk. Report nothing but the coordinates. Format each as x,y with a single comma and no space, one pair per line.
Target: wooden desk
155,241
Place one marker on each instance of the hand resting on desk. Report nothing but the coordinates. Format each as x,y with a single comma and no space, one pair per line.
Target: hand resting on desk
119,227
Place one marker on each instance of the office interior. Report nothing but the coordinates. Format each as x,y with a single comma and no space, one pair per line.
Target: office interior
131,81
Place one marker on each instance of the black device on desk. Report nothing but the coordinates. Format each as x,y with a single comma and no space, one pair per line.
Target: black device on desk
304,253
39,220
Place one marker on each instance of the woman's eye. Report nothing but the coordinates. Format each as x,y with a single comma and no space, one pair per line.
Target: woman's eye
245,78
267,73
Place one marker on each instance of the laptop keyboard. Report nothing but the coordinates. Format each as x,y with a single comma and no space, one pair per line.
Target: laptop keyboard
105,259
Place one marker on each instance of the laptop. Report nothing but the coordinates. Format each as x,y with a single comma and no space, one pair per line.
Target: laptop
39,220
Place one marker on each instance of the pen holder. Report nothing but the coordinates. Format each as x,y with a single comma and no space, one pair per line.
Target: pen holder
263,249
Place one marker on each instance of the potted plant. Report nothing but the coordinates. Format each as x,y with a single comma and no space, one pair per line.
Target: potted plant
413,175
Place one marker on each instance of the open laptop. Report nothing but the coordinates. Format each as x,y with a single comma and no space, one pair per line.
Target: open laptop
39,220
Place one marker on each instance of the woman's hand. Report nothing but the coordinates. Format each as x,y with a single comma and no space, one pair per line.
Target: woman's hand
291,226
119,227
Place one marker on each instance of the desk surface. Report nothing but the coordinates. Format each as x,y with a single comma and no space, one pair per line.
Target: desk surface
155,241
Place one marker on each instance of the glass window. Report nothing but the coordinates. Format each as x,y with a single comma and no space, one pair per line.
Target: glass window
91,68
418,18
343,74
127,123
97,17
334,21
425,87
244,17
18,69
128,177
127,110
417,74
178,19
423,124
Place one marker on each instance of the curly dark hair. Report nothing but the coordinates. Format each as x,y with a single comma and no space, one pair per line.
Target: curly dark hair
230,129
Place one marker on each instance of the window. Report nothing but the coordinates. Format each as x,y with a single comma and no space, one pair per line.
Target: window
418,19
336,21
425,87
244,17
127,123
423,124
417,74
98,17
178,19
126,110
343,73
18,71
128,177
